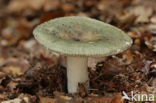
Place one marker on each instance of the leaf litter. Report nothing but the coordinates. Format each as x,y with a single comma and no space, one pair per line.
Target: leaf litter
31,74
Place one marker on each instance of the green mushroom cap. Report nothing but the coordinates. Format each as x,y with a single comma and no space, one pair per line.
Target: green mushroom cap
81,36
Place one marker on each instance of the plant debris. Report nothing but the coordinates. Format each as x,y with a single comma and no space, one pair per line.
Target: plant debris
30,73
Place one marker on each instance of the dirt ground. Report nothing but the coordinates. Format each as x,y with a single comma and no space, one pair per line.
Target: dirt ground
29,73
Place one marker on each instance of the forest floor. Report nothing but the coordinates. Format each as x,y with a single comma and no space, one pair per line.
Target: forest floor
31,74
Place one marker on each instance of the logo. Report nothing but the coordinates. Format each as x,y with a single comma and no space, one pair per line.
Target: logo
138,97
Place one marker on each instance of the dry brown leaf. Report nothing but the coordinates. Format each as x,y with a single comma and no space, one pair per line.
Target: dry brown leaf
151,28
17,100
3,96
21,5
151,44
1,60
134,34
15,66
17,5
153,19
101,100
143,13
51,5
16,30
2,75
30,44
24,5
46,100
153,82
51,15
98,99
117,99
12,86
124,21
66,99
67,7
127,57
60,99
14,70
112,67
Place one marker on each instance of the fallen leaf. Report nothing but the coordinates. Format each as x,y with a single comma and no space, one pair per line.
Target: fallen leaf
46,100
51,5
21,5
98,99
51,15
153,19
127,57
151,43
117,99
146,67
16,30
67,7
15,66
143,13
17,100
125,21
134,34
14,70
151,28
12,86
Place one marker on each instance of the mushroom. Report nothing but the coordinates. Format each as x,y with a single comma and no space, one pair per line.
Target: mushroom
79,38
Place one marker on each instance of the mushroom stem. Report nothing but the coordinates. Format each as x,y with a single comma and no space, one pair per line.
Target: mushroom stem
77,72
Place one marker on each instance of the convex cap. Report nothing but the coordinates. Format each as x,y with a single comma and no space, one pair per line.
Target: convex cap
81,36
